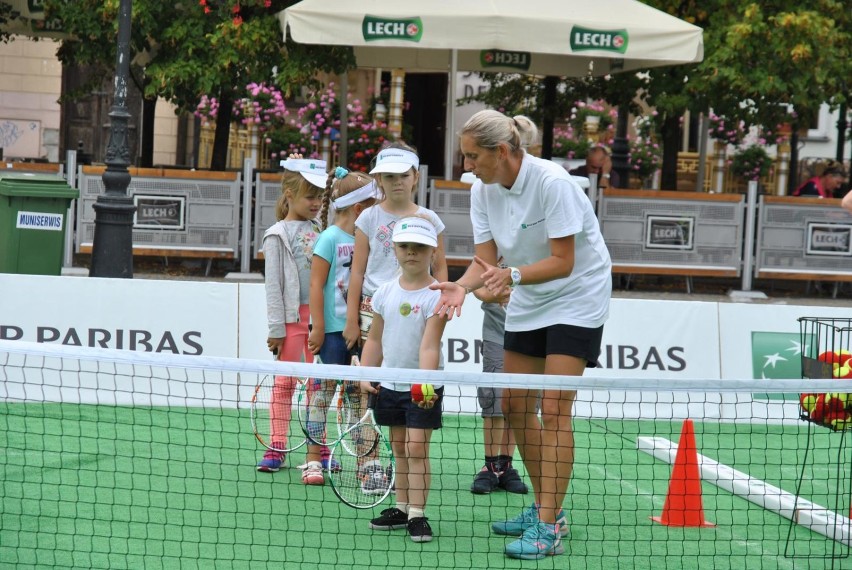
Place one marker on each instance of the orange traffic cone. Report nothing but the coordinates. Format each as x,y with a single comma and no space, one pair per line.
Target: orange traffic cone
683,505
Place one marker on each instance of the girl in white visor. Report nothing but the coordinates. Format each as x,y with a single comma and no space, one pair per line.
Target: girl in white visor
374,263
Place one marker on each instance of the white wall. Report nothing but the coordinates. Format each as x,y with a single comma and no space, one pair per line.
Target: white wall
30,86
30,83
651,340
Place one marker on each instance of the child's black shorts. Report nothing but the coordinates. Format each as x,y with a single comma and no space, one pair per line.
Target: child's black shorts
395,408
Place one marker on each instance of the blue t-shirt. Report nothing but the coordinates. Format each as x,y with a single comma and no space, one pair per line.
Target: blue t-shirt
336,247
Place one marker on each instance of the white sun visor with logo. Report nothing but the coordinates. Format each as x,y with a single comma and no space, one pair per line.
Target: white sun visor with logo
314,171
395,161
415,230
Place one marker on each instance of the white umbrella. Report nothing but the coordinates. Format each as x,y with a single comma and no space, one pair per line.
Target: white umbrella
541,37
28,20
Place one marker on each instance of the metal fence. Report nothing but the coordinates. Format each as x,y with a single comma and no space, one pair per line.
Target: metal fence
181,213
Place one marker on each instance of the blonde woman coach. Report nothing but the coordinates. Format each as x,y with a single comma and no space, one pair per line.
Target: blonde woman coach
559,271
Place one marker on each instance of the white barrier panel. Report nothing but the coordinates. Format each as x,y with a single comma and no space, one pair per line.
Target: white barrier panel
643,338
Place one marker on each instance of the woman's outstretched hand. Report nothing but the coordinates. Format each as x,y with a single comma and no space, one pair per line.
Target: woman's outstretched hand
452,298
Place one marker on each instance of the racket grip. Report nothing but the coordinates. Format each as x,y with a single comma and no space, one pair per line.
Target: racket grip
372,397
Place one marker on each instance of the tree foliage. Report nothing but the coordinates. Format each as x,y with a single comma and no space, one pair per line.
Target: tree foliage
183,49
761,59
776,55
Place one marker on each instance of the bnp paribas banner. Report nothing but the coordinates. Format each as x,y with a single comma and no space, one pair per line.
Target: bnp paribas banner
766,342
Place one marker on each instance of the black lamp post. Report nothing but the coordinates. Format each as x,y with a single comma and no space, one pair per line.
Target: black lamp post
112,250
621,148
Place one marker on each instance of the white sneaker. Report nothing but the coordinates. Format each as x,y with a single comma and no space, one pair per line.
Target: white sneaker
312,474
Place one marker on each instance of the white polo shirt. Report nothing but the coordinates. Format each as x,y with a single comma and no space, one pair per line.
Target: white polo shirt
545,203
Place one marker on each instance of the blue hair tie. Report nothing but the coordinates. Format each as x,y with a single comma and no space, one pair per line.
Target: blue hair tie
340,172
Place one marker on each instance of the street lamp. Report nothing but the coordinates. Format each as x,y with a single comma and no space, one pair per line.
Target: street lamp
620,147
112,249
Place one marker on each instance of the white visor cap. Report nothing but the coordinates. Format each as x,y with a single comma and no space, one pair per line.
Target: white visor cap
415,230
314,171
395,161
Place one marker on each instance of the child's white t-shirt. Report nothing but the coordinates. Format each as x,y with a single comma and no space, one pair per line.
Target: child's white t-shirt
405,314
378,226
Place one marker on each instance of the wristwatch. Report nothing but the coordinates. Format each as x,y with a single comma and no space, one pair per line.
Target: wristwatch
515,274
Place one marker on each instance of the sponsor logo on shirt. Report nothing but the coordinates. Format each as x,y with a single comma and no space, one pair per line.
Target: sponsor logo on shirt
531,224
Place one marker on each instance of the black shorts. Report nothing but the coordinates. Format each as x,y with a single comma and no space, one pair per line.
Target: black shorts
395,408
569,340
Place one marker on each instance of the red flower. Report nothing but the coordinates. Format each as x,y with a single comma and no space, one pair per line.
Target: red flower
238,20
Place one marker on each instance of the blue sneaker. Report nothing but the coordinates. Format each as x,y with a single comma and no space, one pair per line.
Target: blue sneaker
335,465
528,517
271,462
539,540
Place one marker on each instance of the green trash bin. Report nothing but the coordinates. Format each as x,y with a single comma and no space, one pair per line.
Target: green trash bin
33,218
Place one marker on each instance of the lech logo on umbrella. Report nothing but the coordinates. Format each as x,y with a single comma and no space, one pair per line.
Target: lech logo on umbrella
502,58
376,28
583,39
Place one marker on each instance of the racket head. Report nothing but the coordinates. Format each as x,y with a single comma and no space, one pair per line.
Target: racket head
261,420
365,479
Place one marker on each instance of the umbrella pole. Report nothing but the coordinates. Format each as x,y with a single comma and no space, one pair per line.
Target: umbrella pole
343,144
703,133
450,135
547,121
620,147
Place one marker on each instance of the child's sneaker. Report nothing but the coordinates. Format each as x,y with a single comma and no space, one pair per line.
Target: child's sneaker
419,529
539,540
484,482
271,461
312,475
390,519
510,481
373,480
335,465
528,517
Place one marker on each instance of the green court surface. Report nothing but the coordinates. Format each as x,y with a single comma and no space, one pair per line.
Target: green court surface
117,487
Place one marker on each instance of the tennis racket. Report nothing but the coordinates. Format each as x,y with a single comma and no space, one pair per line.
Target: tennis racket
314,405
366,476
350,408
274,415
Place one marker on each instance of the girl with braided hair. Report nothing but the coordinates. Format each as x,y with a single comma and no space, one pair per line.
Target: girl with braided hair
349,193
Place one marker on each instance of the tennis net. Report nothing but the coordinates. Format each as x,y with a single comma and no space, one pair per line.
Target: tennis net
117,459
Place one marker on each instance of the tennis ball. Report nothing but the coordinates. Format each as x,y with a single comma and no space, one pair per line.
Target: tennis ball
835,403
828,356
842,370
422,392
839,421
814,405
808,402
